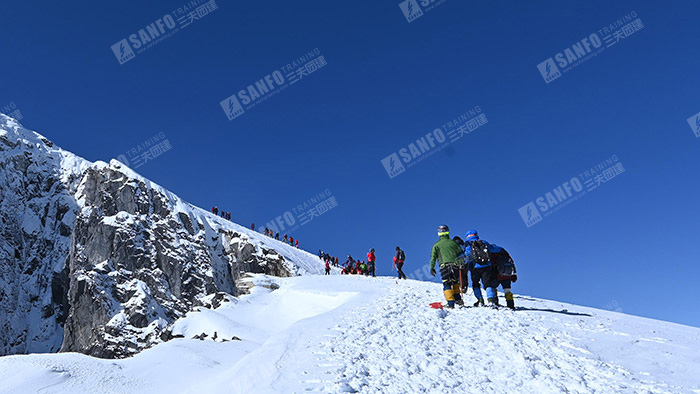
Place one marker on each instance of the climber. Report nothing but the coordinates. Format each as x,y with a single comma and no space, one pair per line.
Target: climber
478,254
450,257
399,259
371,266
349,263
505,270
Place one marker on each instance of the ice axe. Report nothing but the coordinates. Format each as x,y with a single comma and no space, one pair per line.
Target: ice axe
460,281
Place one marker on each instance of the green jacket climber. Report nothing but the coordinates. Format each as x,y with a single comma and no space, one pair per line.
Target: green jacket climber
446,251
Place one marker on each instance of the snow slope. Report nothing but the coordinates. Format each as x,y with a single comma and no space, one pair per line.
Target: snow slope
355,334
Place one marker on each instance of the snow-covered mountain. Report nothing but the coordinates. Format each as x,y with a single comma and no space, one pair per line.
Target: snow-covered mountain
95,259
99,260
348,334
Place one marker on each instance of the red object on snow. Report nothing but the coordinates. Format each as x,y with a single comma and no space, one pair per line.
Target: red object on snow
436,305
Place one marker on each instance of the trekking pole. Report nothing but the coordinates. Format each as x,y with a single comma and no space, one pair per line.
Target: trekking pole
460,280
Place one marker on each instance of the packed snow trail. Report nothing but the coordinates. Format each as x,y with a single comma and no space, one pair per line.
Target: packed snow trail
374,335
396,344
405,347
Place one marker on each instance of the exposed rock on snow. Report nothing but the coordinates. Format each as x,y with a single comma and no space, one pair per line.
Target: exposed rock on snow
98,260
247,282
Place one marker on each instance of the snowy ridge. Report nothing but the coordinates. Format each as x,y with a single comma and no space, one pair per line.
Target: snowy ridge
348,334
298,261
69,163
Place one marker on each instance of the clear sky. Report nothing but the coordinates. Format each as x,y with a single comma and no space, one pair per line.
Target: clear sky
632,243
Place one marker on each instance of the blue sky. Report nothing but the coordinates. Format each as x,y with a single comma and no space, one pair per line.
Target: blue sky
631,243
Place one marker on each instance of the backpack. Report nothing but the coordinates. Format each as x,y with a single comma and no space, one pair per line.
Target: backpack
505,265
480,254
402,256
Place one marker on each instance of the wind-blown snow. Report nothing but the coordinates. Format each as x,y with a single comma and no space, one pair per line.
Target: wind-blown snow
374,335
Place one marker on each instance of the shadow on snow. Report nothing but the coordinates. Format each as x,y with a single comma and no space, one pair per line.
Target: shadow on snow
563,312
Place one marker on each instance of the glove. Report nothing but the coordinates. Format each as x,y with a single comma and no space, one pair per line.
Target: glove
433,272
515,278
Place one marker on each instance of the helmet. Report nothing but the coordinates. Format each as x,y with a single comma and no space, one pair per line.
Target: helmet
443,230
472,235
372,250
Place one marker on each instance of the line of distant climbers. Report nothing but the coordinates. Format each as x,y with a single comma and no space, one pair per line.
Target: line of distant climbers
223,214
331,261
350,266
358,267
287,239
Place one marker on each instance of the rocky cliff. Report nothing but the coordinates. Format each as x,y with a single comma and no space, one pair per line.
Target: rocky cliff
98,260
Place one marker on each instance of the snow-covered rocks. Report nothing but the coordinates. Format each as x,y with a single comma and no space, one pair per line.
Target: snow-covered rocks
37,214
96,259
